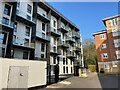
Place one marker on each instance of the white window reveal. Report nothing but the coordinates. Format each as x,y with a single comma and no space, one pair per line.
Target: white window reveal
117,42
102,36
105,55
106,65
116,32
118,54
103,46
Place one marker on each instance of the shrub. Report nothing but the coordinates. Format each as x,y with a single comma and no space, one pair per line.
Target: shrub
92,68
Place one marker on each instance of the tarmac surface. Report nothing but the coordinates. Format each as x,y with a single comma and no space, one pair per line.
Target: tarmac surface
92,81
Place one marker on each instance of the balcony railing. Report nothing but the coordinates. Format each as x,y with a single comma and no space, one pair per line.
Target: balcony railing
70,39
43,15
71,54
76,49
25,16
55,50
61,43
45,37
76,34
63,28
7,23
21,42
53,30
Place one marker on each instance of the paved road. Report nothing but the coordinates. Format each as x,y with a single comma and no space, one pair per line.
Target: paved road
92,81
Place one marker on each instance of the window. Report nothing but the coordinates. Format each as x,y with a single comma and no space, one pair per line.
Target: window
64,69
58,60
3,37
117,42
54,60
42,55
5,21
43,26
29,9
71,62
54,49
43,35
103,46
7,9
71,70
3,52
102,36
43,47
25,55
54,23
118,54
15,27
105,55
114,22
26,42
54,41
106,65
64,61
114,64
27,31
18,3
116,32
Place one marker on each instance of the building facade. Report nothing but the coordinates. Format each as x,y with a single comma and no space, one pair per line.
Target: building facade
36,31
108,44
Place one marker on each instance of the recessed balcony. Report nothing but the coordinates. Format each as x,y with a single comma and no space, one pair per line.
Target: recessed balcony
76,35
77,49
70,39
43,17
25,18
55,51
63,44
6,23
54,32
21,43
63,29
71,55
42,37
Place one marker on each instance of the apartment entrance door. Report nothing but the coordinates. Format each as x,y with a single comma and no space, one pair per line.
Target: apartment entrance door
18,77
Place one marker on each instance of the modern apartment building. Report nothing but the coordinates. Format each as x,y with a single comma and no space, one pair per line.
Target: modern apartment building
36,31
108,44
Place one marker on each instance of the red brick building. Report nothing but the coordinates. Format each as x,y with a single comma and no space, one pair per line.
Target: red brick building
108,44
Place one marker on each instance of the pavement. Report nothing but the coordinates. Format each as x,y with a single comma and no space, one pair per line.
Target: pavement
92,81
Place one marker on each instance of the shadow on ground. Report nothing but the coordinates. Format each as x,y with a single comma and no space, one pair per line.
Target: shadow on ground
109,81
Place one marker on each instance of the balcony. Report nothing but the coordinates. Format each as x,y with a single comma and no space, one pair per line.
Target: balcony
77,49
25,18
55,51
76,35
70,39
43,17
21,43
63,44
6,23
55,32
71,55
42,37
63,29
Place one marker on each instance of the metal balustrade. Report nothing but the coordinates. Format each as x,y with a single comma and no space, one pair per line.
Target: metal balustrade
7,23
25,16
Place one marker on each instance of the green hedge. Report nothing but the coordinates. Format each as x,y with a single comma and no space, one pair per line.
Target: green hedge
92,68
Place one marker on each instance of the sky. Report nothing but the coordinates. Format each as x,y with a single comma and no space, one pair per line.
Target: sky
87,15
